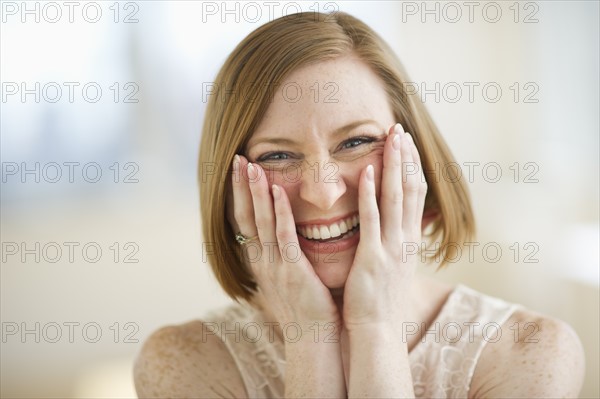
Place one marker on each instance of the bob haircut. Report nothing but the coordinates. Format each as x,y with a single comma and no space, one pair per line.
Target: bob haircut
246,85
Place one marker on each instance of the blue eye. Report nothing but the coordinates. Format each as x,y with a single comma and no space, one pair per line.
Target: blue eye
356,141
273,156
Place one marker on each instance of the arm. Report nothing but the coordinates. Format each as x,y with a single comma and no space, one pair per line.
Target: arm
541,361
379,365
376,298
290,287
314,369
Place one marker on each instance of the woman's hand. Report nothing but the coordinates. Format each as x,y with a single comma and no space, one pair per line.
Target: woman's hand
377,288
286,279
288,284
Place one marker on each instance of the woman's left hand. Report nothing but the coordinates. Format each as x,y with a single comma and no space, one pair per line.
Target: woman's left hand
378,284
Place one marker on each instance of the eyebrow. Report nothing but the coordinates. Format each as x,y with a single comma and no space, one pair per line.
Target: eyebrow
337,132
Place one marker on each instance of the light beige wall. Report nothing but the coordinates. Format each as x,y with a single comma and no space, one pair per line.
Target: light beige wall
170,54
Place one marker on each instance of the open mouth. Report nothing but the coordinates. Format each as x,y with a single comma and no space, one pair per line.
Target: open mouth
337,231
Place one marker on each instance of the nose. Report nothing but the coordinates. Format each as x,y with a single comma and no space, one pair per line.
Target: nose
322,184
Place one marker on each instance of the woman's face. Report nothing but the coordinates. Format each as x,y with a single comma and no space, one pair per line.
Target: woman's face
326,123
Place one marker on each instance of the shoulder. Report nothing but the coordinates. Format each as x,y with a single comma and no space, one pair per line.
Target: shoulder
186,361
536,356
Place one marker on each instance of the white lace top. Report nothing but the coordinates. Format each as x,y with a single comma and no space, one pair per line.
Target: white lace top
442,363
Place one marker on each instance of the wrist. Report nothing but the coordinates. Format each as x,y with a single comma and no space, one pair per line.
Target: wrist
385,335
309,335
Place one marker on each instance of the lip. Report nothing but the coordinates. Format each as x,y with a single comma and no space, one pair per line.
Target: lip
326,221
328,247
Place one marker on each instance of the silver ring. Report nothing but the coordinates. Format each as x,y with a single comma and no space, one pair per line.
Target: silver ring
242,239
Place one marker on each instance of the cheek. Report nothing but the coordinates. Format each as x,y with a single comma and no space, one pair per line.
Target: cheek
287,178
350,173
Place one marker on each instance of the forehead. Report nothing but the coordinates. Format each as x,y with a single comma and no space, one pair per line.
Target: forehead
321,97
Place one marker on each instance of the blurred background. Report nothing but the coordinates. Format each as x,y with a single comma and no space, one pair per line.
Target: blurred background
102,105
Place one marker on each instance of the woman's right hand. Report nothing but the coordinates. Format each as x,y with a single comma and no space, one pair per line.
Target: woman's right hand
285,277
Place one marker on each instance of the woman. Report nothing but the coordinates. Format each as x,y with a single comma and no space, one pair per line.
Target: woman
322,182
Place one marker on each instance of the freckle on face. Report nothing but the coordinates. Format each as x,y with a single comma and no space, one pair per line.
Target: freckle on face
309,123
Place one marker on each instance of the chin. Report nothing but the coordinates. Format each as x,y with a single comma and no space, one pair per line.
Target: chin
333,271
331,261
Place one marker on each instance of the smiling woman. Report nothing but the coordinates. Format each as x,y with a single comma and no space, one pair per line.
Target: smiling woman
323,187
340,72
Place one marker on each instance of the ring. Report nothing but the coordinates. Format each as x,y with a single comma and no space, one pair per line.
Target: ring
242,239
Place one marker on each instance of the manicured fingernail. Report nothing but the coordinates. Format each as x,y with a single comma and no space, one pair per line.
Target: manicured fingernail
398,128
370,173
251,171
276,192
236,162
396,142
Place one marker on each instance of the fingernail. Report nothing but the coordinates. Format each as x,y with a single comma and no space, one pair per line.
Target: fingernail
396,142
370,173
409,138
236,162
276,192
398,128
251,171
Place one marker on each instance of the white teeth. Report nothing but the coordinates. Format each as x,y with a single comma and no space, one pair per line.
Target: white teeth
334,230
343,227
308,232
315,233
325,234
